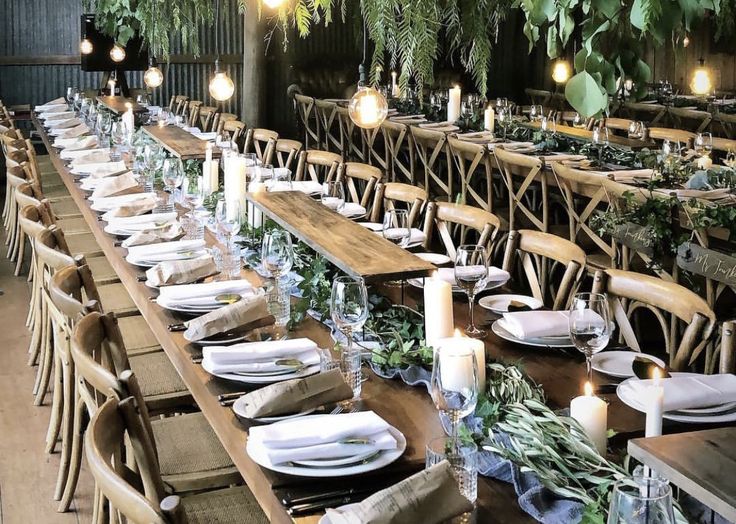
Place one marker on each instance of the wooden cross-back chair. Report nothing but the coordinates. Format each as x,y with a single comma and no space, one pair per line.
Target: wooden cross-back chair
538,96
728,123
475,171
689,119
218,121
326,112
685,138
192,111
262,142
304,106
398,146
568,118
528,170
628,291
649,113
373,149
724,145
360,181
320,166
441,216
434,154
585,196
287,152
237,131
618,124
118,419
539,254
207,116
390,194
352,146
727,348
177,104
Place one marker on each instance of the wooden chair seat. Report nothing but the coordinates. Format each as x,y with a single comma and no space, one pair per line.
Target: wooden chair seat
161,385
187,444
115,299
235,505
137,336
83,244
102,271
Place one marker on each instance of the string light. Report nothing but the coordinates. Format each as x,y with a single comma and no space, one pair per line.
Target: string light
117,53
561,71
701,83
221,85
85,46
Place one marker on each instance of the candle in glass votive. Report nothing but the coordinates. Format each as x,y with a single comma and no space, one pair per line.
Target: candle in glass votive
592,414
111,85
453,104
438,319
235,178
210,172
655,406
459,344
129,119
394,85
489,119
255,215
704,162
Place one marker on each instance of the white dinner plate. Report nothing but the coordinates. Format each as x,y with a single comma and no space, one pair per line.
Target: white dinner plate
252,379
373,226
546,342
222,339
438,259
239,411
708,415
385,458
619,363
419,283
151,263
500,303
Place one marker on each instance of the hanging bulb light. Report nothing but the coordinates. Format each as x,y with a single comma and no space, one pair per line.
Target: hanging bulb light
221,85
117,53
153,77
701,83
273,4
85,46
686,41
561,71
368,108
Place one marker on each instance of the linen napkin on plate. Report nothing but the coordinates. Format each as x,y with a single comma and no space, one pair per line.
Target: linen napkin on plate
181,271
562,157
124,184
64,115
322,437
142,222
447,127
100,170
494,274
688,392
628,175
132,208
309,187
72,132
254,357
190,292
168,233
76,143
166,251
108,203
352,209
514,147
296,395
249,310
62,123
535,324
85,156
428,497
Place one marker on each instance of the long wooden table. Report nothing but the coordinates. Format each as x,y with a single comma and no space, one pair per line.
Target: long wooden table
351,247
119,104
180,143
619,141
409,409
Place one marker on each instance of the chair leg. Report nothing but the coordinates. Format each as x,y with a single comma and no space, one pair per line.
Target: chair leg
75,463
47,360
57,408
21,253
67,432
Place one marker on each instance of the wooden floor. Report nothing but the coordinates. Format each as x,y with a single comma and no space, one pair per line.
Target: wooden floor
27,474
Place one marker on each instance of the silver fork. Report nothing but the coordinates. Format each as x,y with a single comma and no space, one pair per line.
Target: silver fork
339,409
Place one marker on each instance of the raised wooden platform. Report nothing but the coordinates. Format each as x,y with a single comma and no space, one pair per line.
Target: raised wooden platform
180,143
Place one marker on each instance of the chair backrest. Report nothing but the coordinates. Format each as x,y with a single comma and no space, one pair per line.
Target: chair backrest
724,144
473,163
287,152
207,118
389,193
664,133
193,112
237,130
538,253
441,215
73,291
398,146
538,96
327,116
220,119
177,103
360,180
690,119
650,113
308,118
320,166
262,142
434,154
619,124
527,170
662,298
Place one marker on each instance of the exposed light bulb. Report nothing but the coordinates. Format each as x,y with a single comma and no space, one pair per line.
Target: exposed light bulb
561,72
153,77
221,86
86,47
368,108
273,4
117,53
701,83
686,41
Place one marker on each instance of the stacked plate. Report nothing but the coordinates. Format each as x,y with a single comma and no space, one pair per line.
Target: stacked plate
496,278
99,168
326,445
152,254
535,328
203,298
126,226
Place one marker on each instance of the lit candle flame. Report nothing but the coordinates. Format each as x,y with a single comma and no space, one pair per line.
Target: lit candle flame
128,105
588,388
457,333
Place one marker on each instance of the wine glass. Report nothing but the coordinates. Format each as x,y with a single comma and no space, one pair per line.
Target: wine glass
118,136
590,329
703,144
503,117
600,140
641,500
471,274
730,159
548,125
671,147
277,257
396,227
173,173
70,92
578,121
333,196
454,383
192,192
78,100
535,113
349,311
229,218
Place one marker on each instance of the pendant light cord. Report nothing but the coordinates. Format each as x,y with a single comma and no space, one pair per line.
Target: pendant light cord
217,36
361,67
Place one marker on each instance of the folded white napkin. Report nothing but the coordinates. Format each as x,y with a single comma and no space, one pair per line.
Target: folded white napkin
99,169
117,185
494,274
352,209
142,203
63,123
165,248
309,187
171,232
253,357
373,226
204,290
319,436
56,106
76,143
689,392
109,203
90,184
534,324
193,130
56,116
85,156
206,136
72,132
627,175
139,222
512,146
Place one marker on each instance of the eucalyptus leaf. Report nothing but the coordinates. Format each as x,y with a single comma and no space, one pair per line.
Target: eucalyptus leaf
585,95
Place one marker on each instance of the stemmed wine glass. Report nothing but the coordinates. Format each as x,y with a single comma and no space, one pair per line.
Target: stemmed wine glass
229,217
333,195
503,118
548,125
703,144
192,192
455,383
118,136
277,257
471,274
153,159
590,329
535,113
349,311
396,227
70,92
641,499
578,121
600,140
173,174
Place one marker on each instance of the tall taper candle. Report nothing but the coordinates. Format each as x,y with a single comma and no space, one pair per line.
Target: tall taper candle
438,319
489,119
655,407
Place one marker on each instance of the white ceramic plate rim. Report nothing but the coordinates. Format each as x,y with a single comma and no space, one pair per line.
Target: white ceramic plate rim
309,371
418,283
434,258
535,342
627,355
383,460
487,302
268,420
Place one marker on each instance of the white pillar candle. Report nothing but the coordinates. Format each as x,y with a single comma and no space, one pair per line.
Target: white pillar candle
461,376
129,120
453,104
111,85
210,176
235,178
394,85
704,162
438,319
489,119
255,215
592,414
654,407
